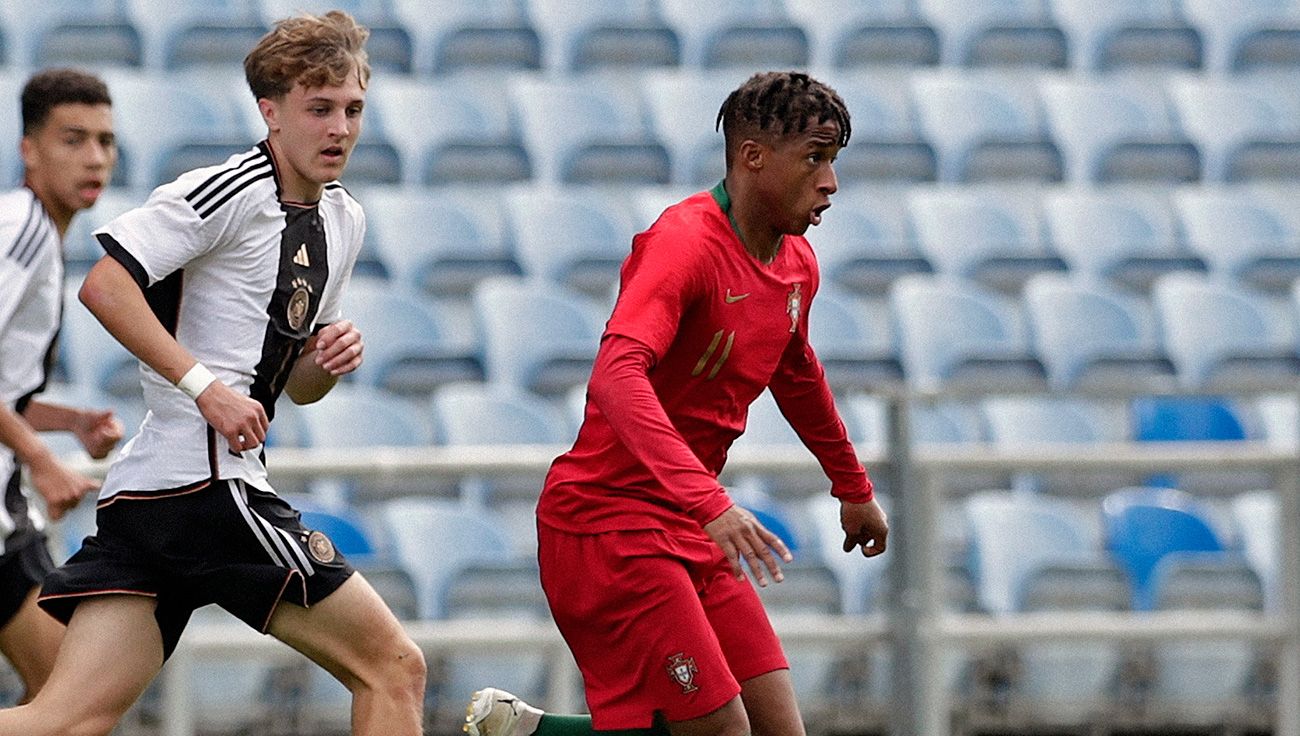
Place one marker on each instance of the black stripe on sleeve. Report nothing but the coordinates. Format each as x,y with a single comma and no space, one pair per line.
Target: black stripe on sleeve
224,172
21,242
128,261
236,190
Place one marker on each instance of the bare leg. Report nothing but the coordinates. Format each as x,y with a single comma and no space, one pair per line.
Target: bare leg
729,720
110,653
354,636
30,641
771,704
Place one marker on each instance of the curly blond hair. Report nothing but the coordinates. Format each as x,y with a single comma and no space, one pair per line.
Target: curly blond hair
312,50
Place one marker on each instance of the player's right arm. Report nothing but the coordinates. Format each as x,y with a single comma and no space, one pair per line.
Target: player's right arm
112,294
61,487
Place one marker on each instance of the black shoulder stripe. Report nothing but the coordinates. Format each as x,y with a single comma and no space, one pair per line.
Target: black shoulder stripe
39,236
233,191
226,172
334,185
24,233
237,179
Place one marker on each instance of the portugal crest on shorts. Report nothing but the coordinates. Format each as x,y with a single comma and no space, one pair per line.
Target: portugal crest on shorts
682,669
321,548
793,305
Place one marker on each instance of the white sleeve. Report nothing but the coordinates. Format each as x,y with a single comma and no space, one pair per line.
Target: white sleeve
15,282
163,234
331,310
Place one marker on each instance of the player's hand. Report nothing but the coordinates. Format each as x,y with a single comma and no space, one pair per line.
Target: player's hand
241,420
98,431
864,525
338,348
61,488
743,538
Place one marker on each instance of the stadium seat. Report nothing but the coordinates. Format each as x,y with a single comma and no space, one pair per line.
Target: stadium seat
389,47
990,234
1019,423
1004,33
1092,337
87,33
1128,35
408,351
1125,235
604,34
1246,34
985,127
1117,130
449,131
1171,419
1223,337
1142,525
1258,527
683,109
216,683
467,244
809,588
887,146
862,584
89,355
864,242
1205,679
587,132
129,411
1246,129
746,34
853,355
1250,235
80,248
536,335
957,335
847,33
453,36
766,428
573,237
185,33
11,127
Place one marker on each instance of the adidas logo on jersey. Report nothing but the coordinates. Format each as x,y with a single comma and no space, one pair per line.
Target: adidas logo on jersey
301,257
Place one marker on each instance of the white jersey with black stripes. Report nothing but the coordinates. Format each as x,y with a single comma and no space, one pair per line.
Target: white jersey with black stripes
241,280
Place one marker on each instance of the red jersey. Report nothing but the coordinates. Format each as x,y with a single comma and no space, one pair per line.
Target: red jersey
706,327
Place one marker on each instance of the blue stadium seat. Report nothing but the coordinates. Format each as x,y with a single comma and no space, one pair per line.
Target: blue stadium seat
853,355
1247,234
536,335
185,33
953,333
1224,337
736,33
408,351
1002,33
1126,235
1117,130
990,234
1092,337
587,132
1246,34
985,127
1246,129
467,244
887,146
453,36
604,34
1170,419
90,33
1258,526
1110,35
683,108
389,47
449,131
864,242
848,33
1142,525
574,237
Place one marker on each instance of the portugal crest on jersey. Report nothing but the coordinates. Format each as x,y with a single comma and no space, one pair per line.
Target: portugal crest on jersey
683,670
793,305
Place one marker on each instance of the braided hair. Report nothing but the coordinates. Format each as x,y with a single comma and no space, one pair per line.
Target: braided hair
779,103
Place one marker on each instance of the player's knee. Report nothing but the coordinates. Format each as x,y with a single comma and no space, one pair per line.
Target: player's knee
398,670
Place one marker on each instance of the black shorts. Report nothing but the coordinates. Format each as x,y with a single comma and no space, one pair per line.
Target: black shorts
220,542
23,567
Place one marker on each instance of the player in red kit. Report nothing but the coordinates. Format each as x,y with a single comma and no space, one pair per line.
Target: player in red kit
641,550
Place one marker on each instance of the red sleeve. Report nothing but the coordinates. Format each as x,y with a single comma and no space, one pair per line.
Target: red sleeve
657,284
801,391
621,389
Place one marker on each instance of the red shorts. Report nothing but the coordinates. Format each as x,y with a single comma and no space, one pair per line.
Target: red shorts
656,623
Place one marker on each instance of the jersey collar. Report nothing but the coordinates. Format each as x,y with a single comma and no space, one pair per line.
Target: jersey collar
723,199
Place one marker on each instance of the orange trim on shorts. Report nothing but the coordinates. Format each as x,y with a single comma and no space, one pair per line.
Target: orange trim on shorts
140,496
280,596
89,593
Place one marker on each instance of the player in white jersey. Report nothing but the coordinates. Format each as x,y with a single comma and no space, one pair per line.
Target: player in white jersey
68,156
227,284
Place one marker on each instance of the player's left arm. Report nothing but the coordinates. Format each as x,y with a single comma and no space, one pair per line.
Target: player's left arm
97,429
335,350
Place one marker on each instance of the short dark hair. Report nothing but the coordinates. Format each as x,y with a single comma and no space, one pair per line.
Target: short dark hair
779,103
52,87
314,50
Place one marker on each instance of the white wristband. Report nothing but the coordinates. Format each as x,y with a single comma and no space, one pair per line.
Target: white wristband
195,380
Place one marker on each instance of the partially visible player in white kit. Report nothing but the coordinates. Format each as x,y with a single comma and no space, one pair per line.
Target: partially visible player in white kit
227,284
68,151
